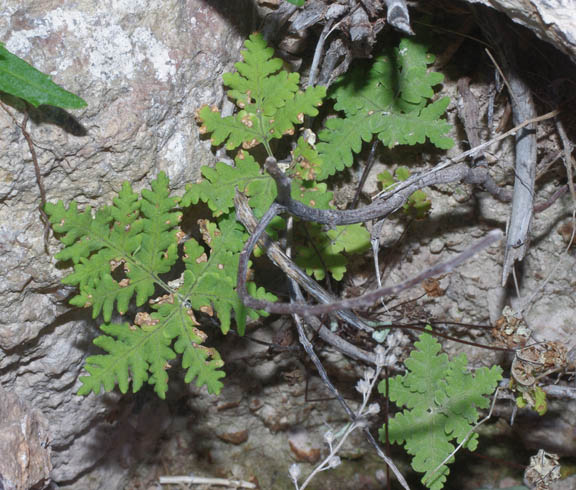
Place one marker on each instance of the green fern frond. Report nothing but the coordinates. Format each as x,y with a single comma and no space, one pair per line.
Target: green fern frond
120,254
441,399
269,97
326,253
133,240
388,99
142,353
220,182
132,353
210,280
219,185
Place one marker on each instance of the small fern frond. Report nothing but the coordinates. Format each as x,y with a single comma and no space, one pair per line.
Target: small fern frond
389,99
210,280
120,254
120,250
142,353
220,182
441,399
269,98
133,353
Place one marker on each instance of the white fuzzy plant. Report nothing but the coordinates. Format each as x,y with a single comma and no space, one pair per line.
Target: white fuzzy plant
364,386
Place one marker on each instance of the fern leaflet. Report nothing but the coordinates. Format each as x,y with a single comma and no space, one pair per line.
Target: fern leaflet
133,240
269,97
441,399
246,176
389,99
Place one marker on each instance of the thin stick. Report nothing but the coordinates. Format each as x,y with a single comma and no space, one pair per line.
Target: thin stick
569,162
500,71
318,53
38,173
462,156
355,418
280,259
367,167
198,480
360,302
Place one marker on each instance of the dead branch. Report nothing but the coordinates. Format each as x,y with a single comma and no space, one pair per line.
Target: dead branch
282,261
523,109
37,172
361,302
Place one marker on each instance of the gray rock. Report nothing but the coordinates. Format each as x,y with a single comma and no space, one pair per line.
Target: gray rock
551,20
144,67
24,445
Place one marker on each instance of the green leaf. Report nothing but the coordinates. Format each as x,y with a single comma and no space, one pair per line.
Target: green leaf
133,240
143,353
298,3
20,79
326,253
132,353
220,182
389,99
210,279
442,398
269,98
120,255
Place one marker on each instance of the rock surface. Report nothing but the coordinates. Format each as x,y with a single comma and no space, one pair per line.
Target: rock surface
553,21
24,445
144,67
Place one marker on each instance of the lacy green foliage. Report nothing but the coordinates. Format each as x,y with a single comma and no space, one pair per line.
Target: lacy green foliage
418,205
327,252
220,183
389,99
120,254
442,398
22,80
133,237
269,97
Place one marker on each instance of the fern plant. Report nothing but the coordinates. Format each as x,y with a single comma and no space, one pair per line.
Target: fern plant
121,254
442,398
270,106
389,99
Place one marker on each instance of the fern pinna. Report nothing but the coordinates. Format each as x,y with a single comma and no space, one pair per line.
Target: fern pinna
389,99
270,105
120,254
442,398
